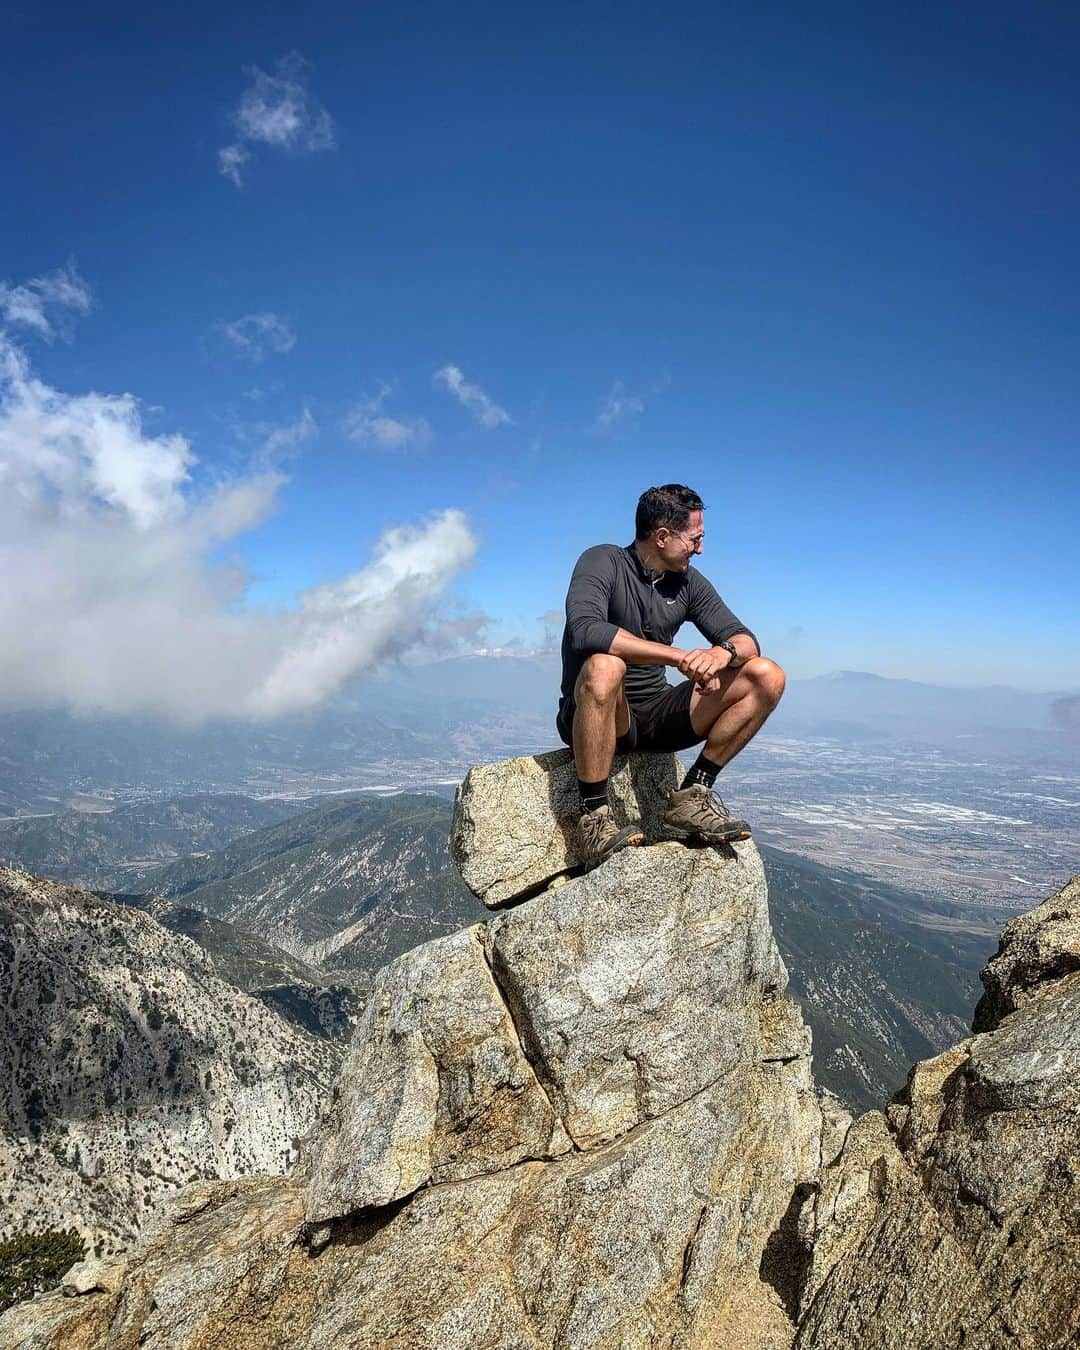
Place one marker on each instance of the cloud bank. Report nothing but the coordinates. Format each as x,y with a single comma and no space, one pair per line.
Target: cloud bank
116,600
276,110
472,397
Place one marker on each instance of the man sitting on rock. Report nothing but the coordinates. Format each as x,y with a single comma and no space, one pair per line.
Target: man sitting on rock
623,609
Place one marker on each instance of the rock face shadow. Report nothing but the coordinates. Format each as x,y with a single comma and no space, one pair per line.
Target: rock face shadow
786,1258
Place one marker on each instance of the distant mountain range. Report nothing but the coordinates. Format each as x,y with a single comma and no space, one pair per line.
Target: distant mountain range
110,847
855,704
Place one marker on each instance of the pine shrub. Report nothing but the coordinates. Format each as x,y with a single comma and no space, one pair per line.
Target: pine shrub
31,1263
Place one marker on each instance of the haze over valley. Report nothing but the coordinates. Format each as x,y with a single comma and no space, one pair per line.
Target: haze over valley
970,797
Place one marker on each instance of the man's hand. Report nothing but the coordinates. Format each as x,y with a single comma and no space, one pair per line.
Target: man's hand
703,664
711,685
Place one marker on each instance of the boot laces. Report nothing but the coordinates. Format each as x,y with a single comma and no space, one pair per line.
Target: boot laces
598,825
713,804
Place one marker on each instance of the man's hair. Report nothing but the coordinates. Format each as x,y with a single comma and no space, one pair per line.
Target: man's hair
668,507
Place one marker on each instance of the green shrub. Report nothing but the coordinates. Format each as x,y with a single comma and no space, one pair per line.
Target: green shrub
30,1263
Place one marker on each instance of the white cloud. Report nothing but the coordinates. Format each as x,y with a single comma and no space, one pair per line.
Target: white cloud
472,397
277,110
368,424
256,334
67,454
619,405
281,442
114,598
34,303
231,160
345,626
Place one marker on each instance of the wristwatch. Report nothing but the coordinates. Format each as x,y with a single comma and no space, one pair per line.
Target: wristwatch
730,649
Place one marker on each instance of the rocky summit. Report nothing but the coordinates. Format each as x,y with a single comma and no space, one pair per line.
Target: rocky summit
590,1121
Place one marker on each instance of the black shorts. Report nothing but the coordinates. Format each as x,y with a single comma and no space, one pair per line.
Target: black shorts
660,723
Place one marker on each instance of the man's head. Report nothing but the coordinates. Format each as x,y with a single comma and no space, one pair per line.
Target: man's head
669,527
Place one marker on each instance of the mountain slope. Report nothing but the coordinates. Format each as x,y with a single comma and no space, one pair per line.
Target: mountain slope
297,991
874,1000
128,1067
345,885
954,932
108,848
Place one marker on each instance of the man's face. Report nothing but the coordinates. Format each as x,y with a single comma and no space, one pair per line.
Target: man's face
677,549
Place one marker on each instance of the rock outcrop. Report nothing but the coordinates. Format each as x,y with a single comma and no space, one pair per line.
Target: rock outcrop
513,828
580,1123
955,1218
1036,948
436,1088
591,1122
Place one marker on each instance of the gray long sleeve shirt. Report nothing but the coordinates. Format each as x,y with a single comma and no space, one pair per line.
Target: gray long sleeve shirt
611,589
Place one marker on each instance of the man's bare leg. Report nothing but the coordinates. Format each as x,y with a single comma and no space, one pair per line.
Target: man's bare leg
727,717
601,715
732,716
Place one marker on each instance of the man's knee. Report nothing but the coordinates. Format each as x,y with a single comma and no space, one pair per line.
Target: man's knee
767,677
601,677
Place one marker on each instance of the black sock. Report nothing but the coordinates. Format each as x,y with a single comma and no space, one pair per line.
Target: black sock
592,794
701,771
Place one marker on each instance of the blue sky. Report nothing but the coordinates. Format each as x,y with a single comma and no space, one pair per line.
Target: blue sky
817,262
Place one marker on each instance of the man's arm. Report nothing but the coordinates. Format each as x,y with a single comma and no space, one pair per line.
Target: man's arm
637,651
746,646
587,624
700,665
718,624
704,663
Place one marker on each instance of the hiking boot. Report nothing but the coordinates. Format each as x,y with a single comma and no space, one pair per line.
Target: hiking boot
599,837
696,815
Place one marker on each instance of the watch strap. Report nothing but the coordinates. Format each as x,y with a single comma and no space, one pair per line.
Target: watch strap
729,647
